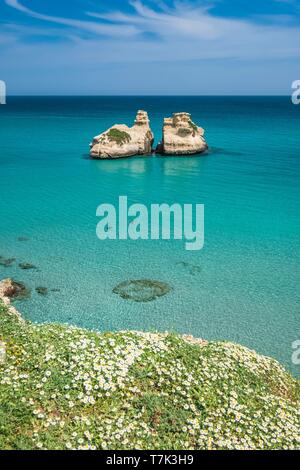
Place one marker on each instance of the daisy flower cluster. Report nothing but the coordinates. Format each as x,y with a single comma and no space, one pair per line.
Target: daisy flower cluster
63,387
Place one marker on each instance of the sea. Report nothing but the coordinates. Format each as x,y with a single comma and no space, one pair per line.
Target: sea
243,286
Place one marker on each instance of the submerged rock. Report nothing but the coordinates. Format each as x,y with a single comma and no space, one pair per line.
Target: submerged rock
7,262
27,266
144,290
14,290
181,136
193,269
42,290
123,141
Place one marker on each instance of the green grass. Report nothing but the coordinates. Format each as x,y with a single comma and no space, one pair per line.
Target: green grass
120,137
63,387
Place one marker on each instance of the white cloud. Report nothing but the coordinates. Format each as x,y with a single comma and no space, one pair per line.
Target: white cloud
185,32
182,20
92,27
191,32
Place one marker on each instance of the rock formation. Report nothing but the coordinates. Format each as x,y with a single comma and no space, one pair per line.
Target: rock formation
42,290
142,290
123,141
7,262
8,288
11,289
181,136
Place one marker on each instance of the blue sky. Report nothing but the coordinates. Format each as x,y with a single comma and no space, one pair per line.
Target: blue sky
185,47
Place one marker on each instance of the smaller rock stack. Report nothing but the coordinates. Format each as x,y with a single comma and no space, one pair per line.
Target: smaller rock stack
181,136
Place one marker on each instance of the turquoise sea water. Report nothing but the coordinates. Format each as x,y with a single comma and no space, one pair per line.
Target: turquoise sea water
246,285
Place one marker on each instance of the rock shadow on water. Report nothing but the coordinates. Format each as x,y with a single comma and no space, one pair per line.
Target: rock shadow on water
223,151
86,156
142,290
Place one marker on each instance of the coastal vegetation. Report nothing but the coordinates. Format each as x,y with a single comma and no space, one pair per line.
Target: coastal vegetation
63,387
117,136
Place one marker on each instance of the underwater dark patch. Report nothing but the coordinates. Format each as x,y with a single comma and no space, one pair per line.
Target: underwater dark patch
143,290
23,239
41,290
192,269
27,266
6,262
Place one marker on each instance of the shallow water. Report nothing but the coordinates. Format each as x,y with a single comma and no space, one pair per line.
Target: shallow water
244,286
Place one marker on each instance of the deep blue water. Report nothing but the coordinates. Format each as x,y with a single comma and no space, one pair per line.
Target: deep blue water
246,285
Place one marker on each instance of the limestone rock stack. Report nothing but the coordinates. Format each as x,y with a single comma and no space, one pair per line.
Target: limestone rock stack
122,141
181,136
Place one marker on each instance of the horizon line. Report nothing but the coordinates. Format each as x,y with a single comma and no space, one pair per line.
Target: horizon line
19,95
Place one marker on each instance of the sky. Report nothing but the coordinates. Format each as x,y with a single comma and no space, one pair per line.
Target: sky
146,47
